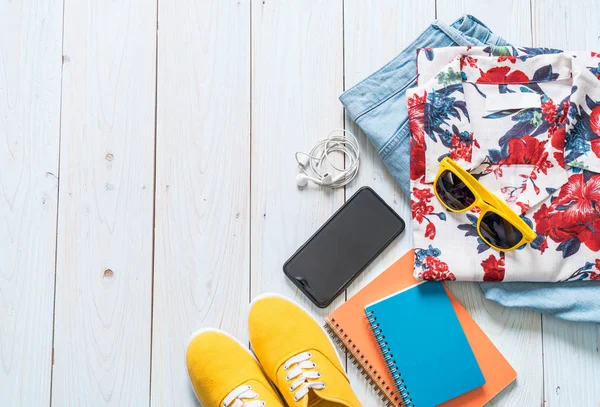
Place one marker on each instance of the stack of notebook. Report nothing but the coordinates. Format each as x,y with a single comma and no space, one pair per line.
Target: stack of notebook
416,343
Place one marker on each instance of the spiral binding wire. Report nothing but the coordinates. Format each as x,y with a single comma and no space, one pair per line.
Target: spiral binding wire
388,396
389,358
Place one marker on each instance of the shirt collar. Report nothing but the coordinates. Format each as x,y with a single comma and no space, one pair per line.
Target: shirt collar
524,170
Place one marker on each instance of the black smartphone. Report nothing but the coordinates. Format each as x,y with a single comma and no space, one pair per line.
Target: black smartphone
343,247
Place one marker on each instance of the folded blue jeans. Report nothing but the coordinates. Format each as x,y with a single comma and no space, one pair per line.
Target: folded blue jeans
377,104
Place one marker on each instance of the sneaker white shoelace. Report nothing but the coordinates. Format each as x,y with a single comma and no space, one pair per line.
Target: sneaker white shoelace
243,396
301,370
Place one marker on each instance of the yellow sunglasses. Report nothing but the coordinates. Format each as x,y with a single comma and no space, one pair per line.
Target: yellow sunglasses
498,225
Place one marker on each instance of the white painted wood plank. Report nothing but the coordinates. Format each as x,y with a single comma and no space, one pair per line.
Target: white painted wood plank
202,183
30,72
374,33
297,75
571,362
571,353
510,19
516,333
104,258
566,24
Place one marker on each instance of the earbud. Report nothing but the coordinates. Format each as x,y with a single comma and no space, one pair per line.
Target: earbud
326,181
312,163
302,180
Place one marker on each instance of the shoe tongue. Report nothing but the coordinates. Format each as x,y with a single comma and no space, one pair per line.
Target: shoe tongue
313,399
326,403
318,399
265,393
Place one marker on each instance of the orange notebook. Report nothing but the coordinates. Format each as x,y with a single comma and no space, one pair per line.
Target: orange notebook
350,328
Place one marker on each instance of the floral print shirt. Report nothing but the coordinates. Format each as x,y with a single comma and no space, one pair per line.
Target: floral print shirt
526,123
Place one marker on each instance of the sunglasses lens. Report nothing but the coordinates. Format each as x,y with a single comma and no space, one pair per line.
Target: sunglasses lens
499,232
453,192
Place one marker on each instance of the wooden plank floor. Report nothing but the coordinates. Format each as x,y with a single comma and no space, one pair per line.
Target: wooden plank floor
147,183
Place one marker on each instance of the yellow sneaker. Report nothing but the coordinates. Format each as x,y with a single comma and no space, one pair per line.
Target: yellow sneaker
298,355
224,373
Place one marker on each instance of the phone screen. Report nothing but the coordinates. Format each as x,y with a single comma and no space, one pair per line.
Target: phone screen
336,254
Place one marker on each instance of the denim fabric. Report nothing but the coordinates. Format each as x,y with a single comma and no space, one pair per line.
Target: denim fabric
378,103
378,106
577,301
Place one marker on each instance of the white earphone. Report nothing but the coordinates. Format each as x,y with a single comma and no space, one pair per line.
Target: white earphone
312,162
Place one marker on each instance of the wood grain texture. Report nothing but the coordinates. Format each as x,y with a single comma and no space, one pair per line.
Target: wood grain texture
201,276
570,350
515,332
571,358
510,19
30,69
374,33
297,75
104,258
241,86
566,24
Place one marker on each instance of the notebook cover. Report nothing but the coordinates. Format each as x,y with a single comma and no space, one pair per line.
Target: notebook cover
351,328
423,342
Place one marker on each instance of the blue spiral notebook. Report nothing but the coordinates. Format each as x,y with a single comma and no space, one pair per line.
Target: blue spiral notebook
424,345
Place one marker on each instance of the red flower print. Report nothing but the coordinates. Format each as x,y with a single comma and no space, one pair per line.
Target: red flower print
574,214
558,142
528,150
417,100
543,246
596,54
524,207
595,125
595,145
501,75
580,199
416,114
462,150
419,207
493,268
563,117
507,58
497,170
468,60
546,225
549,111
420,200
595,120
423,194
417,156
430,231
435,269
598,264
594,276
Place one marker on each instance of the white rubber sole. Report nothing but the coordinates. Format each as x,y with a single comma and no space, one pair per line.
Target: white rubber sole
274,295
205,330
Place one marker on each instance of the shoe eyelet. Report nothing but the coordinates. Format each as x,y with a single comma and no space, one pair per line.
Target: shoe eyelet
319,375
292,389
